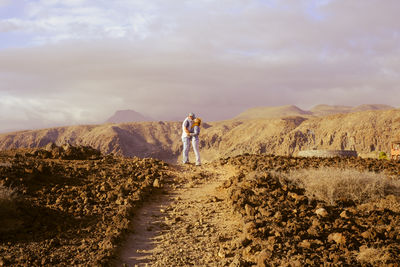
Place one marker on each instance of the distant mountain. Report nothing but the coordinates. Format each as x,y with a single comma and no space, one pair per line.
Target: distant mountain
127,115
322,110
272,112
366,107
319,110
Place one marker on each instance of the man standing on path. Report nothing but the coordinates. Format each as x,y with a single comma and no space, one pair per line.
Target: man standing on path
186,127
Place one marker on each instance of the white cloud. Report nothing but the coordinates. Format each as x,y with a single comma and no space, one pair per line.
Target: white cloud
9,25
46,110
52,21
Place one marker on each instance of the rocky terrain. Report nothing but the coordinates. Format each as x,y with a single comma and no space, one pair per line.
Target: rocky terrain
367,132
69,205
282,226
244,211
74,206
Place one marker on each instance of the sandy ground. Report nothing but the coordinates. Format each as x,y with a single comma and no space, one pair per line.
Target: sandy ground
187,223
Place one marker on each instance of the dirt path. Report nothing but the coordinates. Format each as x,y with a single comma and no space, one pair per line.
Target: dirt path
188,224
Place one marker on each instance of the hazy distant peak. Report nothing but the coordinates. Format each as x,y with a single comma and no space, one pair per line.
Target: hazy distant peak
325,106
127,115
365,107
272,112
321,110
318,110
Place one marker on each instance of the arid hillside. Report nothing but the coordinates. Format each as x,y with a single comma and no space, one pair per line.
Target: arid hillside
367,132
272,112
322,110
318,110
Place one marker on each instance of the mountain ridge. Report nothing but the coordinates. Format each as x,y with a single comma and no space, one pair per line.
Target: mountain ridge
318,110
365,132
272,112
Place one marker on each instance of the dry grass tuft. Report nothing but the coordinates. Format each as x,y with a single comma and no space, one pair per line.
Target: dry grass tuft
373,256
6,193
7,201
332,185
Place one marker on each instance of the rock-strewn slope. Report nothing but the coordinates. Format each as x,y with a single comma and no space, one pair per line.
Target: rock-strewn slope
366,132
69,212
145,139
243,210
282,227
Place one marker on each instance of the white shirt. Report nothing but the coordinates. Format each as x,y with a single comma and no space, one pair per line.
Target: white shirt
187,124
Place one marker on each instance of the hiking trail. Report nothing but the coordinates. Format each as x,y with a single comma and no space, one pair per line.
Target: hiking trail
187,223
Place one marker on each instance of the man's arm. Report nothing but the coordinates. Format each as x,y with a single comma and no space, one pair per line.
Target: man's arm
186,126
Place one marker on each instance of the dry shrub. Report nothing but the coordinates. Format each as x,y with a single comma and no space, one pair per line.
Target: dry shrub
332,184
7,201
373,256
390,202
6,193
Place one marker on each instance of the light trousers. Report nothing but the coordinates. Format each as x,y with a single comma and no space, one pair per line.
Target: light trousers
195,144
186,147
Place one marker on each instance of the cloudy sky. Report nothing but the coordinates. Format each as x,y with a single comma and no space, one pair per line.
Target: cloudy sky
66,62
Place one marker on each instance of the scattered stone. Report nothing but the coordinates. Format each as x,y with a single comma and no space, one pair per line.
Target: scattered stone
321,212
344,214
367,234
156,183
305,244
263,258
221,253
338,238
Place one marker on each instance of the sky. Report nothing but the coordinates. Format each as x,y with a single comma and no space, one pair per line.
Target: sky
67,62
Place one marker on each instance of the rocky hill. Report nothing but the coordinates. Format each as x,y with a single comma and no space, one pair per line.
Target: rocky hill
272,112
318,110
323,110
127,115
366,132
